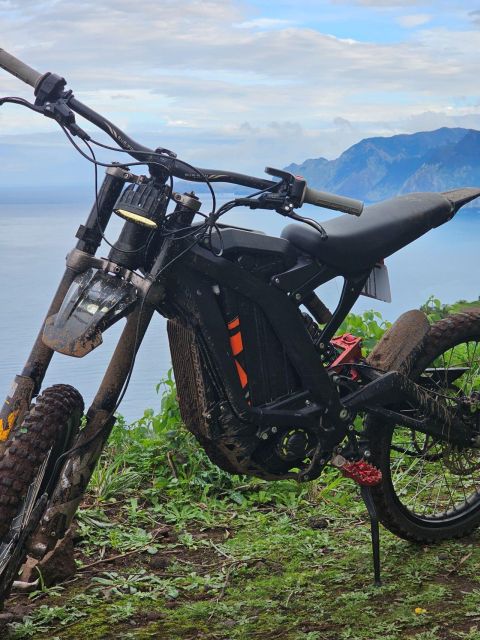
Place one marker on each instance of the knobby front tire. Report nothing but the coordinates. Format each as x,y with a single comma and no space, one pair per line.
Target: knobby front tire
49,425
431,490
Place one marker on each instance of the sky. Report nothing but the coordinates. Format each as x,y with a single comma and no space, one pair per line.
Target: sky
243,84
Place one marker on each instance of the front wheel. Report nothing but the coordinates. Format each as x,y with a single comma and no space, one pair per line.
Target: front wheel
46,431
431,489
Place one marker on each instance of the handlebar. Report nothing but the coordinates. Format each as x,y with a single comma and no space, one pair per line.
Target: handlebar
178,168
18,68
333,201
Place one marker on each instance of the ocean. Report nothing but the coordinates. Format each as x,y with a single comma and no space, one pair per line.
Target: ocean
34,240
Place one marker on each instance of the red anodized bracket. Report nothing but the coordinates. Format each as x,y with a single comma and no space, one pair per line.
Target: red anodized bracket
352,352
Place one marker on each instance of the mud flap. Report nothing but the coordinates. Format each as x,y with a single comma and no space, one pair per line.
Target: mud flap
394,350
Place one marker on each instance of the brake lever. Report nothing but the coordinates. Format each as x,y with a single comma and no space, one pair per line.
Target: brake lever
57,110
282,205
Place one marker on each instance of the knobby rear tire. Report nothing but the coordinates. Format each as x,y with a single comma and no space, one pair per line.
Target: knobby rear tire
50,424
394,505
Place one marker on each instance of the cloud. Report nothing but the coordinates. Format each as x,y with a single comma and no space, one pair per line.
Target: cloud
430,120
475,17
183,73
388,4
343,123
413,20
264,23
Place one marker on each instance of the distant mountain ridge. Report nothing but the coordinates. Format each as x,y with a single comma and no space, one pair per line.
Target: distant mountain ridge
378,168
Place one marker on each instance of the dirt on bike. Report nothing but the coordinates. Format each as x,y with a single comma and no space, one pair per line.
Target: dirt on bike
263,381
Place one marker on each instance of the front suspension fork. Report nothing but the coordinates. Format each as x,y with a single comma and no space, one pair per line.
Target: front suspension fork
28,383
88,446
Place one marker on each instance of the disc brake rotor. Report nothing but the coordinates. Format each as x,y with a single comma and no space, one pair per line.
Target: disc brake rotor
461,462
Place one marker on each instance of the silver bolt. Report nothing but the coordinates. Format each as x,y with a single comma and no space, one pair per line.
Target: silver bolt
307,403
274,429
264,436
298,296
276,280
351,427
321,345
322,461
38,550
343,414
367,453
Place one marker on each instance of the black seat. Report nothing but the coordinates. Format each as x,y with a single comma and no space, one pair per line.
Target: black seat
355,244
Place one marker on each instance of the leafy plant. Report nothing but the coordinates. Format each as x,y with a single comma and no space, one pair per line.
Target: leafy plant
369,325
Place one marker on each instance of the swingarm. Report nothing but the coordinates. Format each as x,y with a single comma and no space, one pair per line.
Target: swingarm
393,395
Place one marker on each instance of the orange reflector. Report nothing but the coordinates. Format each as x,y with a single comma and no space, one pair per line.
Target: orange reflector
241,374
233,324
236,343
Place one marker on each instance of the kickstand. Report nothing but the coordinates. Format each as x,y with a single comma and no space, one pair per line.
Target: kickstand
375,532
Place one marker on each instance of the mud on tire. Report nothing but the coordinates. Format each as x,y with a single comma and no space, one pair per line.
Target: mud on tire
50,423
412,521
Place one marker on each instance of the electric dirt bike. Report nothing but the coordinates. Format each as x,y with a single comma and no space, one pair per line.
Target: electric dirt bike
263,381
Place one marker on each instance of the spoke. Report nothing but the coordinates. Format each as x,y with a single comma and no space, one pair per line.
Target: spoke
470,371
429,477
418,491
436,499
447,486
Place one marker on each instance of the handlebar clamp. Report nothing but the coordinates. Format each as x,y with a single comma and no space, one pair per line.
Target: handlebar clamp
291,186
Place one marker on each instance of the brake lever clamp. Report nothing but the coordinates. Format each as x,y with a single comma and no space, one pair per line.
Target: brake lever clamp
293,187
60,111
49,88
292,191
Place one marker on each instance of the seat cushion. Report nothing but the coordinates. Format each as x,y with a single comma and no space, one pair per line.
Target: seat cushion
355,244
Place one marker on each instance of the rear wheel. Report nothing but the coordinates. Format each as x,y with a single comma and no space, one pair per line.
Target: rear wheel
431,489
46,431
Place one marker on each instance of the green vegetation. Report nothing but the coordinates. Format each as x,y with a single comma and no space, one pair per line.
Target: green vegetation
436,310
169,546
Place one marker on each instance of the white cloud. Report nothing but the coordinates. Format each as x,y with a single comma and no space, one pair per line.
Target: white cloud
475,17
388,4
264,23
413,20
184,70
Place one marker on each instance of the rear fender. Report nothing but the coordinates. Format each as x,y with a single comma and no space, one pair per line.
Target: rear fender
393,352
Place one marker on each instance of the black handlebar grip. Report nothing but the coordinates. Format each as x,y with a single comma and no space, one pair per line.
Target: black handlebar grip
332,201
18,68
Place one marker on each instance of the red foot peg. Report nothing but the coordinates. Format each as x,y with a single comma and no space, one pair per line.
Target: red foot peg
361,471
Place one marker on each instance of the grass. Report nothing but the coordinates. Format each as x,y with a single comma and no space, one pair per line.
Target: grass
294,567
169,546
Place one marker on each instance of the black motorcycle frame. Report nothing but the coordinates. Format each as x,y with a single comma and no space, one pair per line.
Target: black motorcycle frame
180,274
316,406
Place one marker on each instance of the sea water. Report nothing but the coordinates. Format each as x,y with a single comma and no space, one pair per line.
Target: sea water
34,240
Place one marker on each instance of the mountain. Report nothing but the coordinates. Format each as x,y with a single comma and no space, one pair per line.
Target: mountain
379,168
